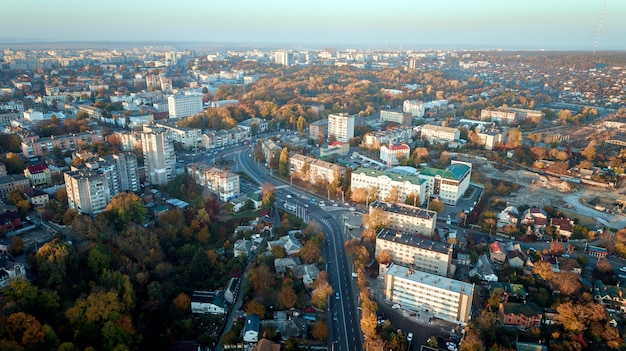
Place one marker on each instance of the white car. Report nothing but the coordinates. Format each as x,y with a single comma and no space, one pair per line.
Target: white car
396,306
288,196
409,337
623,269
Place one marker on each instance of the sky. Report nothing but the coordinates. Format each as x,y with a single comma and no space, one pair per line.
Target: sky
395,24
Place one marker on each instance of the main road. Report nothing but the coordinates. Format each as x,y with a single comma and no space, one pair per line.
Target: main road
342,314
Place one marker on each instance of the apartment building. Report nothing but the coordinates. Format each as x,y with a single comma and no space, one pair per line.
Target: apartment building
449,184
341,126
445,298
318,129
491,137
180,106
318,169
158,154
6,116
270,150
398,135
511,116
415,252
87,190
189,138
36,146
127,171
222,183
392,154
382,183
414,107
220,138
406,218
440,134
11,182
247,124
283,57
402,118
38,175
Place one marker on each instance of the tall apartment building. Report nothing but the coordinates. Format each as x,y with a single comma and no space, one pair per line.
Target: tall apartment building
181,106
403,118
406,218
382,182
158,154
318,169
439,133
445,298
341,126
414,252
398,135
283,57
391,154
449,184
127,170
87,191
222,183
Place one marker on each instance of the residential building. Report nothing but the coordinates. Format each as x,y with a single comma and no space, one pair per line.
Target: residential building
37,198
224,103
335,148
247,124
38,175
121,171
270,151
523,315
189,138
492,137
251,329
158,154
405,218
6,116
508,216
497,252
383,182
449,184
402,118
563,225
10,221
484,269
317,169
180,106
414,252
221,138
318,129
511,116
609,296
341,126
222,183
445,298
11,182
33,146
414,107
535,216
10,269
87,191
289,242
391,136
283,57
393,153
211,302
91,111
440,134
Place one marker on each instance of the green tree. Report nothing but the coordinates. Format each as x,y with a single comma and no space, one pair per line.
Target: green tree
55,260
125,208
17,245
14,163
283,162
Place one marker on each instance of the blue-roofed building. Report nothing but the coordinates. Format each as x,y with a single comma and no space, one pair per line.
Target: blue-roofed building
383,182
448,184
252,328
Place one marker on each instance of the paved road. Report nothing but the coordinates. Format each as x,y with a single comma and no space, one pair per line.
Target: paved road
345,332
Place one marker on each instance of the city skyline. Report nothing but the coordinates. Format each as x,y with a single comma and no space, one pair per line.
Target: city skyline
450,24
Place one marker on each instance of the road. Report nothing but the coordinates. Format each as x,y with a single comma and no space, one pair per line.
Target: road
345,332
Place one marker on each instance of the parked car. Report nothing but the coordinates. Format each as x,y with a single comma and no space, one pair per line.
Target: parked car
409,337
337,295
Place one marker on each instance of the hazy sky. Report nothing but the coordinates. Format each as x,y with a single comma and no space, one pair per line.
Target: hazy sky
464,24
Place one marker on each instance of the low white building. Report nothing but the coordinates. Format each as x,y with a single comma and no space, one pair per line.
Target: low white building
212,302
392,153
224,184
440,134
383,182
317,169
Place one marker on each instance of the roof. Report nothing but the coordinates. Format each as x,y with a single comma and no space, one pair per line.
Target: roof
266,345
214,297
252,323
398,147
455,171
496,246
414,241
393,176
37,168
527,309
403,209
563,223
433,280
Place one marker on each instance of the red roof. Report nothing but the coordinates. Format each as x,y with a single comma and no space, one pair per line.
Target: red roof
335,143
399,147
37,168
563,224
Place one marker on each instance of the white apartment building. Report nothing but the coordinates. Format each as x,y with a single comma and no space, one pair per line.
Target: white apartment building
222,183
402,118
189,138
87,191
511,116
341,126
445,298
439,133
382,183
414,107
492,137
448,184
390,154
398,135
318,169
181,106
406,218
412,251
283,57
158,154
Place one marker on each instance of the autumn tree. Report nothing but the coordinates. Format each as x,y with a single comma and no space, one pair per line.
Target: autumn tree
14,163
359,195
310,252
321,331
25,329
412,199
283,162
393,195
125,208
590,151
515,138
576,317
287,297
17,245
383,257
55,260
472,341
436,205
321,291
254,307
267,194
262,279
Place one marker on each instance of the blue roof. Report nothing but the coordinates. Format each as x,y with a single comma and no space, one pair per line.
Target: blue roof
459,170
252,323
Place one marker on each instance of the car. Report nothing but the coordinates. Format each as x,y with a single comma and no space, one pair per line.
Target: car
566,255
396,306
306,205
352,209
289,196
409,337
335,316
337,296
327,243
623,269
335,205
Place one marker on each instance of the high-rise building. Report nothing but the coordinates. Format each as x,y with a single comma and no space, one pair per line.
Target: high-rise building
184,105
283,57
88,191
341,126
158,154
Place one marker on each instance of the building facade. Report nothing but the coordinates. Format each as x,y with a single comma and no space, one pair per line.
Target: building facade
402,118
406,218
449,184
445,298
36,146
180,106
317,169
11,182
6,116
222,183
414,252
318,129
392,154
38,175
87,191
158,154
511,116
439,133
396,135
341,126
383,182
189,138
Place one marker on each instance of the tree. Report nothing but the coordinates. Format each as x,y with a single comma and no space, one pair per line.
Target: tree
54,260
515,138
125,208
267,194
17,245
182,302
436,205
283,162
383,257
300,123
359,195
472,340
590,151
412,199
262,279
25,329
287,297
310,252
393,195
320,331
254,307
576,317
14,163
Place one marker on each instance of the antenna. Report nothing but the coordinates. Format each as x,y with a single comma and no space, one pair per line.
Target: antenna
595,45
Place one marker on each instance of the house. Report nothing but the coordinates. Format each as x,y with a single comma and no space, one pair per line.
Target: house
212,302
239,203
291,245
569,265
611,297
242,247
507,290
266,345
516,259
497,252
523,315
230,294
484,269
9,221
535,216
251,329
36,198
282,264
9,269
510,215
307,272
563,225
